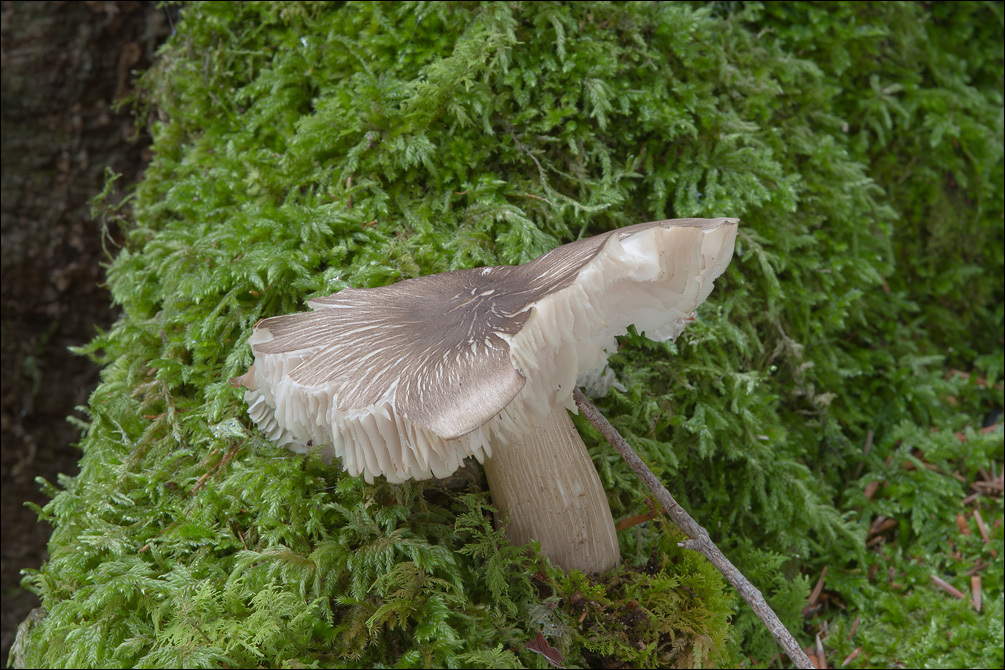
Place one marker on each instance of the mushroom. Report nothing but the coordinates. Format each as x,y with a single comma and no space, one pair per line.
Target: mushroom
407,380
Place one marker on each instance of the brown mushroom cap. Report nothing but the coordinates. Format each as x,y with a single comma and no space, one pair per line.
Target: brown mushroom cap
407,380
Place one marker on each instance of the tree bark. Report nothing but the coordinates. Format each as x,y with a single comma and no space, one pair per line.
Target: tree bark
64,65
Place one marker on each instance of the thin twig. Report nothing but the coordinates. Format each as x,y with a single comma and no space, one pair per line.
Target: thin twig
536,197
228,457
700,540
147,545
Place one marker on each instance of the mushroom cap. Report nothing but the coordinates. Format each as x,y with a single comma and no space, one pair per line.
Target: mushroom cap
407,380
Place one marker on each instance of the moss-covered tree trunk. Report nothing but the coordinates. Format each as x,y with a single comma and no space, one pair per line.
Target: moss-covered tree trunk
303,148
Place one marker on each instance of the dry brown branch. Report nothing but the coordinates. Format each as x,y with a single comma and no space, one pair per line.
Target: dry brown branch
700,540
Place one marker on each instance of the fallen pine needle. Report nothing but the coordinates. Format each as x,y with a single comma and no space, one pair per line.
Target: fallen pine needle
970,498
537,197
854,627
636,520
987,487
879,539
147,545
882,526
977,568
948,588
819,587
980,526
817,590
852,656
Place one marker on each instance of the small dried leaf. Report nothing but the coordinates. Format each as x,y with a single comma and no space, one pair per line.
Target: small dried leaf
540,645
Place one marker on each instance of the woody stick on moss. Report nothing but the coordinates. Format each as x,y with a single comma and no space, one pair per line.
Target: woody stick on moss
700,540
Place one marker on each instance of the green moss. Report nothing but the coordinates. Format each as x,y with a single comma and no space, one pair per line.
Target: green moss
302,148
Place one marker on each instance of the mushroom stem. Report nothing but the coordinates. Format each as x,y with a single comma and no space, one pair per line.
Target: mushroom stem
548,489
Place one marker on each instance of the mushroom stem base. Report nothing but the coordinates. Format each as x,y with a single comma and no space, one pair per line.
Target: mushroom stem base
549,491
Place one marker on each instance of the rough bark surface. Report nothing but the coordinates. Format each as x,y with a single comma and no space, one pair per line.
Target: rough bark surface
64,64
